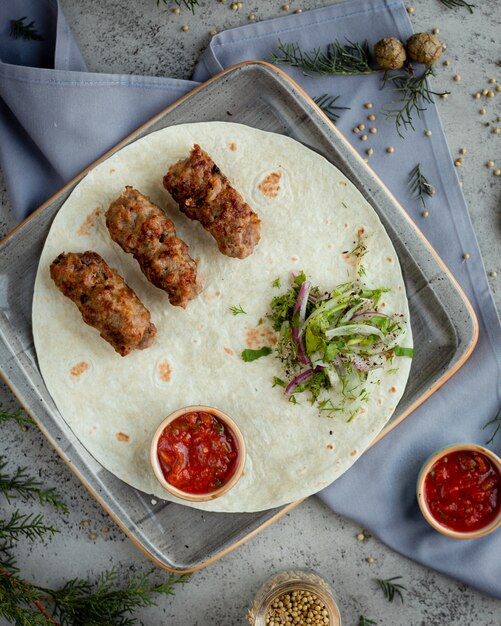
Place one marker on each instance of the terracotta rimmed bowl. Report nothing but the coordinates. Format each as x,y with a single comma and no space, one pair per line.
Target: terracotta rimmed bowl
423,505
241,454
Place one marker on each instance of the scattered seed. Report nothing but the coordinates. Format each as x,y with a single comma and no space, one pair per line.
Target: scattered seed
298,11
410,10
492,81
240,5
493,274
428,133
92,536
85,523
176,10
185,28
285,7
446,63
370,151
496,131
466,256
477,95
360,537
435,31
484,92
361,126
213,33
356,129
490,164
364,138
498,119
457,77
497,172
251,17
462,150
482,111
498,87
371,117
458,162
105,530
444,96
373,130
425,213
234,6
490,94
368,105
370,559
390,150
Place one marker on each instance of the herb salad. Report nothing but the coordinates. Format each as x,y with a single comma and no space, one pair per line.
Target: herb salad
333,342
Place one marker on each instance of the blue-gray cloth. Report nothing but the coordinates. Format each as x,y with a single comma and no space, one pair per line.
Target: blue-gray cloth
56,118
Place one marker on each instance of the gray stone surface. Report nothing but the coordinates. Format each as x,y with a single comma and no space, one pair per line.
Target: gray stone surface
141,37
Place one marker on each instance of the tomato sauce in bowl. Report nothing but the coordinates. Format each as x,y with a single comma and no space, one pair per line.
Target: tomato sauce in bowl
198,453
459,491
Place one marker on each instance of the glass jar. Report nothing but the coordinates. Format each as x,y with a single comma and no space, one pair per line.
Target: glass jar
314,596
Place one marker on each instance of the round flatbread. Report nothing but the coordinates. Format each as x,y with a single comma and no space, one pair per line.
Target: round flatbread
311,215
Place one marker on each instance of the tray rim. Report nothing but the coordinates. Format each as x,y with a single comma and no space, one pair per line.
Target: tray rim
429,392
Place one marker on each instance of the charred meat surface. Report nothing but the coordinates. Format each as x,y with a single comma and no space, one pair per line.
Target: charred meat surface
142,229
105,301
204,193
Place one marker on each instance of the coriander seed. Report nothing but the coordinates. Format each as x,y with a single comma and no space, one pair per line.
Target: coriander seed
356,129
251,17
462,150
390,150
298,11
361,126
213,33
444,96
285,7
370,559
360,537
176,10
490,94
410,10
497,172
493,274
185,28
496,131
425,213
446,63
477,95
370,151
490,164
368,105
428,133
373,130
498,87
482,111
485,92
492,81
436,31
457,77
371,117
364,137
466,256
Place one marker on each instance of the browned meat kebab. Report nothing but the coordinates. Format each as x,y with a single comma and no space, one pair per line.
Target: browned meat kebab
204,193
105,301
142,229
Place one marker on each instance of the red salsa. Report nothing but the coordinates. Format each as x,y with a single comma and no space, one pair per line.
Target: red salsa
197,453
462,491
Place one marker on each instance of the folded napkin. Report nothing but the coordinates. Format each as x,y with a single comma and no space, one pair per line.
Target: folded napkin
54,122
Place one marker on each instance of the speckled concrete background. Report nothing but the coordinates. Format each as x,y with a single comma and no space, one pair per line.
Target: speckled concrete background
141,37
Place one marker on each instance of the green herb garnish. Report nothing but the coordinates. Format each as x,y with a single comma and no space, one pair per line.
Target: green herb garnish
400,351
238,310
495,420
276,282
20,30
390,588
365,621
413,93
453,4
328,105
189,4
349,59
419,185
18,416
252,355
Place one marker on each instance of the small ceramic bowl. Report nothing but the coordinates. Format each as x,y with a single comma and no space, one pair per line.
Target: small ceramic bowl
423,505
240,464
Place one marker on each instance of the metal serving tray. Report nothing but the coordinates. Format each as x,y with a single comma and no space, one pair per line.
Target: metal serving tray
443,323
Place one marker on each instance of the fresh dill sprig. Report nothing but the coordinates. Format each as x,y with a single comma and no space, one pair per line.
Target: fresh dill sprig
79,602
189,4
29,526
328,105
413,93
419,185
22,485
276,283
18,416
453,4
365,621
390,588
20,30
349,59
238,310
495,420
